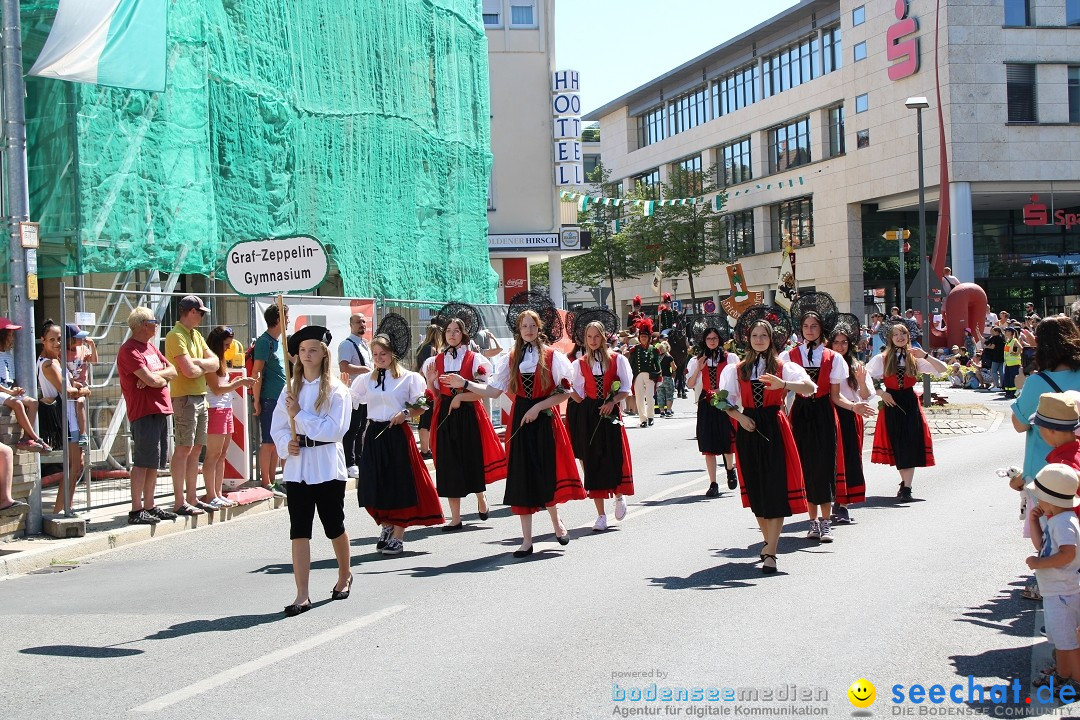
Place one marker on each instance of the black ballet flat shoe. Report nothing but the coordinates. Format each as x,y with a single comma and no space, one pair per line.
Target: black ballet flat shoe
732,480
342,594
294,610
483,515
451,528
768,569
564,540
523,553
713,491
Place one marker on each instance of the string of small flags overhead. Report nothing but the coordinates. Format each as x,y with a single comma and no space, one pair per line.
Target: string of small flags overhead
649,206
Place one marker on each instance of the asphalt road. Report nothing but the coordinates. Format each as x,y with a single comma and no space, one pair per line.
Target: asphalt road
191,625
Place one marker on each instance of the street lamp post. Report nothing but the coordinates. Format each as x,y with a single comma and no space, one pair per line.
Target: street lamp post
918,104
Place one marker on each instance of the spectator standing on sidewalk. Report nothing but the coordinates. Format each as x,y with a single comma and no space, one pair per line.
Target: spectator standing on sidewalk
144,382
268,368
50,380
219,422
354,360
186,348
994,352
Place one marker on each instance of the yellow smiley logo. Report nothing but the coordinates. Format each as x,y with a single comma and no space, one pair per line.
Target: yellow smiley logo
862,693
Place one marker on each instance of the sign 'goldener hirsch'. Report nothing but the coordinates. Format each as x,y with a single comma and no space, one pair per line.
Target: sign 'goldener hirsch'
276,265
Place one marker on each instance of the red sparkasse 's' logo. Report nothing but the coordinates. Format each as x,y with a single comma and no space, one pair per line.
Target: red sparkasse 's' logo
907,51
1035,212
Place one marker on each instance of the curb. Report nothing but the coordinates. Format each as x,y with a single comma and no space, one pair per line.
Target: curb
42,552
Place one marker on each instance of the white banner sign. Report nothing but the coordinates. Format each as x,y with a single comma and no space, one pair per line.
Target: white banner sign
277,265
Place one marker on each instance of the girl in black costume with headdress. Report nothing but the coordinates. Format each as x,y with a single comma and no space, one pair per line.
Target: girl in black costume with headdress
468,454
394,486
606,459
855,390
768,462
715,432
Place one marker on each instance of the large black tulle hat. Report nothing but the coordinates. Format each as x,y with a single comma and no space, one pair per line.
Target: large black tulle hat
395,329
542,305
464,312
580,319
819,304
777,319
698,324
308,332
848,325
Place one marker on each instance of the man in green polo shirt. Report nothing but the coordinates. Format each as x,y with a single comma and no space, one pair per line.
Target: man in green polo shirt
186,349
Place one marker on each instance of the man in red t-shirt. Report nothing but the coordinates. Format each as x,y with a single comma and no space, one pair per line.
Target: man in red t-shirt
144,380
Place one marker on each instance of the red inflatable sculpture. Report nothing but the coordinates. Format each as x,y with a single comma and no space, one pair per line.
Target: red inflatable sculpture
965,307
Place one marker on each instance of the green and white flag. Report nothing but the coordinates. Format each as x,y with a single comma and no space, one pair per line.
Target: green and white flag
120,43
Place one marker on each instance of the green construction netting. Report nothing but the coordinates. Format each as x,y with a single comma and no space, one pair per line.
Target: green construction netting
363,123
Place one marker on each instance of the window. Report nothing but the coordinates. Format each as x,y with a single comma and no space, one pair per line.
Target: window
588,164
738,237
793,220
1018,13
1072,12
523,13
651,181
862,103
493,13
858,15
651,127
830,40
1074,94
687,111
1020,89
789,145
862,139
735,90
836,131
860,51
735,163
686,178
790,67
491,191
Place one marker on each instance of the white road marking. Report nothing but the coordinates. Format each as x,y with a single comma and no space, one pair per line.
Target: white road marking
251,666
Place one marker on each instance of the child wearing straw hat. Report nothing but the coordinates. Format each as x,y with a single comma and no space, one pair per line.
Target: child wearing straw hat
1056,566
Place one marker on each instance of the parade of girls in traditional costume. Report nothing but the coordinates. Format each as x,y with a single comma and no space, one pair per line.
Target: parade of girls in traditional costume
541,470
785,462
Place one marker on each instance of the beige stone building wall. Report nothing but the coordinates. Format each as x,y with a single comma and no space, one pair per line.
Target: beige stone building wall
1001,162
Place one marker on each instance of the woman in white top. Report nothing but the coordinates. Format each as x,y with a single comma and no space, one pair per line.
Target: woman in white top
468,454
813,418
541,470
219,424
850,411
307,430
394,486
901,437
715,432
768,461
605,450
50,380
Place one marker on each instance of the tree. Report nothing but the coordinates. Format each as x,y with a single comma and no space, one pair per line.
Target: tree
683,238
606,260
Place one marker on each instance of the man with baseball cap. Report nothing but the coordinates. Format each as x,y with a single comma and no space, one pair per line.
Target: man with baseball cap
186,349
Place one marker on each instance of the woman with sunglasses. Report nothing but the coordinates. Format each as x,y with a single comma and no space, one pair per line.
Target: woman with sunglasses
219,421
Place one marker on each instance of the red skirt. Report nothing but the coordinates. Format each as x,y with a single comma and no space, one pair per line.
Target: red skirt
853,489
428,508
520,460
760,458
902,437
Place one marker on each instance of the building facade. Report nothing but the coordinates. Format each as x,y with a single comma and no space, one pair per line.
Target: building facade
804,120
526,222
